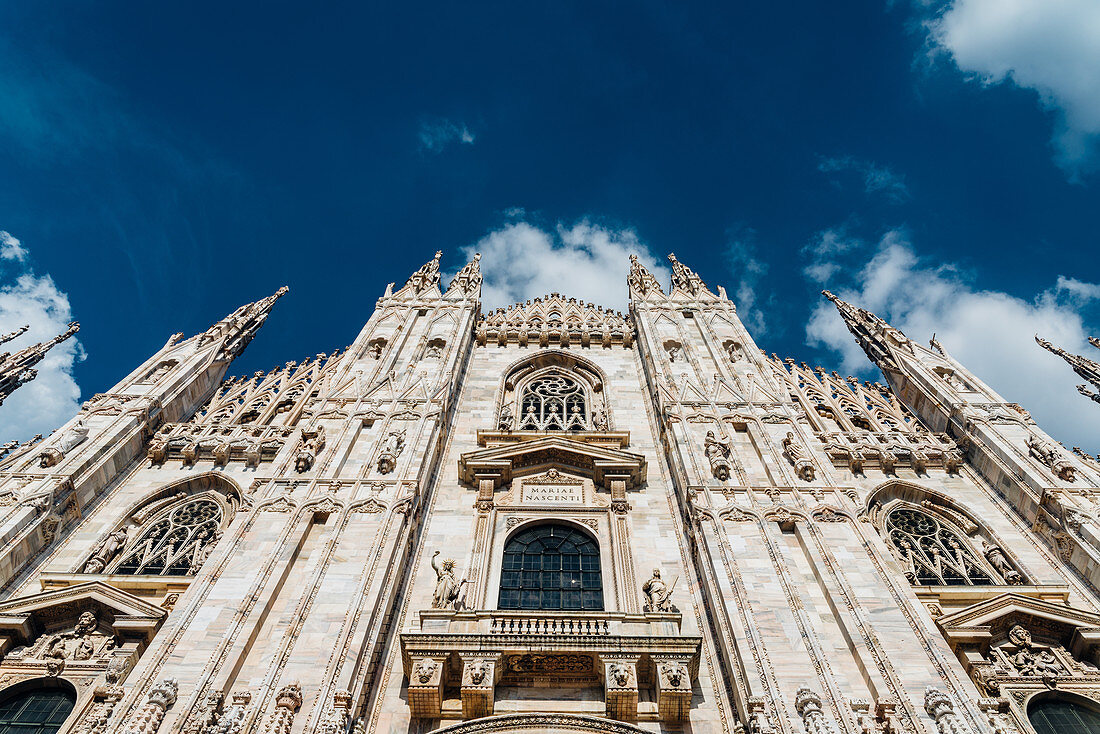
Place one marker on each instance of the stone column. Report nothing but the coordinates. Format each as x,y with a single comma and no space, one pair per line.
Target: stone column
148,717
620,675
808,705
941,708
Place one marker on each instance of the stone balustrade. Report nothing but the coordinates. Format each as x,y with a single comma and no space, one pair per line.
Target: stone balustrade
456,659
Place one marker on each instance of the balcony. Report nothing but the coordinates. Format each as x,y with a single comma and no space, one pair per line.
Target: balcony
457,659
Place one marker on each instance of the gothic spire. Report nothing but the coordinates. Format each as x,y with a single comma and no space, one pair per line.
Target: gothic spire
684,277
468,279
869,330
640,279
238,328
427,275
18,332
1083,366
18,368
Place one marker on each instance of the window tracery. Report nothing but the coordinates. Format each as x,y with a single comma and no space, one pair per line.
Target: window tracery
175,541
554,402
933,553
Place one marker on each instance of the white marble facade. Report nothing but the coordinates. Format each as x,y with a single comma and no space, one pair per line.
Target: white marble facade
747,544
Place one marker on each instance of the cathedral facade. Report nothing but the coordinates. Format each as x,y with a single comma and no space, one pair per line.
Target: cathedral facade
551,517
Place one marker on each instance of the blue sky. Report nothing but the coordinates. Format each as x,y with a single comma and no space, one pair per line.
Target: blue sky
937,162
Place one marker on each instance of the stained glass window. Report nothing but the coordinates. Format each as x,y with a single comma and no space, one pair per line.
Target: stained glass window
1062,717
551,567
177,543
40,711
931,552
553,402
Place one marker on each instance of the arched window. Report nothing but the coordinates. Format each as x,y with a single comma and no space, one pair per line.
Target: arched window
551,567
39,711
932,553
553,402
176,543
1054,716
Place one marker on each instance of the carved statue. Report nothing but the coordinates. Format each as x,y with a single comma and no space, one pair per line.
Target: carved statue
1050,454
996,558
84,650
107,550
658,594
1031,659
733,351
599,419
73,437
311,444
507,419
85,624
718,453
478,670
374,350
391,449
675,352
434,351
798,458
447,589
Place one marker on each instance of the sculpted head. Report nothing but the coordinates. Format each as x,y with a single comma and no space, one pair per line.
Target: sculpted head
478,670
425,670
675,674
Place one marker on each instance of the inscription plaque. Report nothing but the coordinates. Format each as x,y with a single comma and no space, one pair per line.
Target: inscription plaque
552,494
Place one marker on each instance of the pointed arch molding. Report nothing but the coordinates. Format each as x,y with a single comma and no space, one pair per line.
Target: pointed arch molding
124,537
509,723
973,534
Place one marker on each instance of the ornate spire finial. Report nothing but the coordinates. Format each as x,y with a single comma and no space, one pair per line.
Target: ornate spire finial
18,332
427,275
1083,366
468,279
237,329
18,368
1094,342
684,277
640,279
870,332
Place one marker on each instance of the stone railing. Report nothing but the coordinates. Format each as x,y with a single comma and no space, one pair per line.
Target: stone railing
474,650
511,625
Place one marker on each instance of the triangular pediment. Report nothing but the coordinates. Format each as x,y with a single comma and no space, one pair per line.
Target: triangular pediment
123,613
981,622
521,456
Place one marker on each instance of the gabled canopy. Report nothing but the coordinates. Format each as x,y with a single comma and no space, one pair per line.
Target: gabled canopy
598,462
24,619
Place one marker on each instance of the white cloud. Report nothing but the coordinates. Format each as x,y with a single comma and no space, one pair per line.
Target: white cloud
435,135
876,179
749,269
11,248
53,397
989,332
1050,46
586,261
823,250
